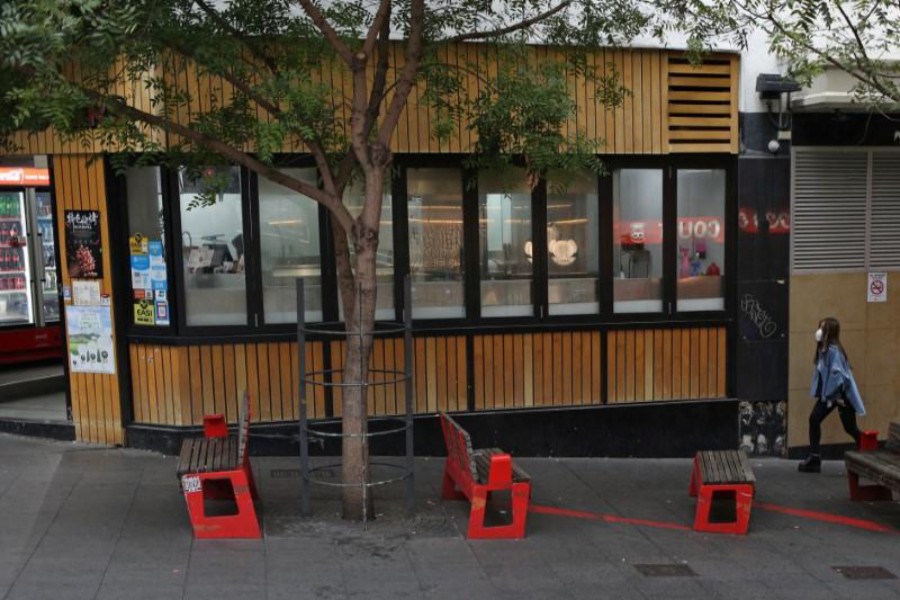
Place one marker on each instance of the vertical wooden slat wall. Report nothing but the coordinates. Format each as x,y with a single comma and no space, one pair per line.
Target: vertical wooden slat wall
79,184
666,364
523,370
510,371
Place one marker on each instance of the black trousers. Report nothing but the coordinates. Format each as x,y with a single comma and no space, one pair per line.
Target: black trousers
822,410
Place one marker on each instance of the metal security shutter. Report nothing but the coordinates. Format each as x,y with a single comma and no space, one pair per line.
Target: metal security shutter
829,211
884,240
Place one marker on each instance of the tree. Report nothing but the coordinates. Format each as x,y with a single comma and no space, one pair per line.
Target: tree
118,60
859,37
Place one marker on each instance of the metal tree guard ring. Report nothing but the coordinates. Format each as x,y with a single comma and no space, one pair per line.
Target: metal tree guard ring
324,379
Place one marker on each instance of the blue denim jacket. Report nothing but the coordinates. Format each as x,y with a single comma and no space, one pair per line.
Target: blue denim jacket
837,380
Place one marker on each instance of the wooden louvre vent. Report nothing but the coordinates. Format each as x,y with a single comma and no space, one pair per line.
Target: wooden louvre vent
702,104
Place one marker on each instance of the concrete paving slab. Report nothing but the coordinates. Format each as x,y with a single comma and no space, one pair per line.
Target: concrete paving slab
102,523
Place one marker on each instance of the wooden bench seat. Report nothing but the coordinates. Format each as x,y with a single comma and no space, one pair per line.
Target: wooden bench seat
474,475
217,466
722,473
881,467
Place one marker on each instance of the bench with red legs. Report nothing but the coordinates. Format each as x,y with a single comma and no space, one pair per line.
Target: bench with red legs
217,466
881,467
722,473
474,475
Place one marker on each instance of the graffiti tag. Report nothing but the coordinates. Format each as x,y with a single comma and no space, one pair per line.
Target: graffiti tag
751,307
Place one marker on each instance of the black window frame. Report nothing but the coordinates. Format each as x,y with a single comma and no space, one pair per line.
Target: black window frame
257,327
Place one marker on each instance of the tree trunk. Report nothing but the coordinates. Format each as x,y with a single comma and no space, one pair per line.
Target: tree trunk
357,500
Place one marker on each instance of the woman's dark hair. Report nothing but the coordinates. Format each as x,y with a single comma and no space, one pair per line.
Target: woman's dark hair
831,336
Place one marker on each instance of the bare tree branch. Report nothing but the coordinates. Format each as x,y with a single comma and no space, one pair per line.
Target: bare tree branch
481,35
382,20
407,76
327,30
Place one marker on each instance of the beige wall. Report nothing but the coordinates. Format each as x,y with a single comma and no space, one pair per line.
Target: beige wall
869,332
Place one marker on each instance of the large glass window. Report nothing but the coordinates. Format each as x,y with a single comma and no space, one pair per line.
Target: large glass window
436,258
506,248
354,200
701,239
573,245
289,240
637,240
213,246
147,247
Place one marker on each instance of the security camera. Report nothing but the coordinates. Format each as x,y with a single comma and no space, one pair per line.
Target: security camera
774,146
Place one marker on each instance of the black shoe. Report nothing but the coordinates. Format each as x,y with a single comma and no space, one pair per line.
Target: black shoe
813,464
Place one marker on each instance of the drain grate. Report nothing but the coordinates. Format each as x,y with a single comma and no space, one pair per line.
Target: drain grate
665,570
865,572
284,473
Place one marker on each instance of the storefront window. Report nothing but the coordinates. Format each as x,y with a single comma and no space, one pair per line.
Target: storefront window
506,247
147,247
213,246
436,259
637,240
701,239
573,245
354,199
289,240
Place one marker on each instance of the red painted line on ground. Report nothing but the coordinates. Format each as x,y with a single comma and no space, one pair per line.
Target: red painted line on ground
589,516
826,517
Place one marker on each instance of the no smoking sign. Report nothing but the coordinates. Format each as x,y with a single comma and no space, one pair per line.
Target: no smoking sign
877,291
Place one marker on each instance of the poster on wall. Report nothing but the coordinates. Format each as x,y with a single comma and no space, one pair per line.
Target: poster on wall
90,339
83,250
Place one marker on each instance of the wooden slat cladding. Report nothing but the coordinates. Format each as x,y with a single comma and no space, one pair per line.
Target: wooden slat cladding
666,364
439,375
671,106
177,385
79,184
702,104
537,369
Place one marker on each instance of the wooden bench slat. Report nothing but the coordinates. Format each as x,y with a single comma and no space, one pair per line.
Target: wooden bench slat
725,466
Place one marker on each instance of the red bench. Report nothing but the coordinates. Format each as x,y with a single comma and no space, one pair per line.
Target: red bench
881,467
722,473
475,475
217,466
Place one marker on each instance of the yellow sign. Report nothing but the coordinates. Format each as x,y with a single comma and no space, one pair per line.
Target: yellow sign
138,244
143,313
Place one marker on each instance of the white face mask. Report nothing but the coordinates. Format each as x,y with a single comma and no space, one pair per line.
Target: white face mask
818,335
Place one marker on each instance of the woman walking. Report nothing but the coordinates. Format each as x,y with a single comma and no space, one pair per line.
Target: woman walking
832,387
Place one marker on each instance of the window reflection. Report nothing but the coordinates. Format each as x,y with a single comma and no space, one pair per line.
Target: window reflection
505,246
637,240
572,245
289,240
436,243
213,246
701,239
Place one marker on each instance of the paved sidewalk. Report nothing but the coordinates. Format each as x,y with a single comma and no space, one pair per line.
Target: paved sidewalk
84,522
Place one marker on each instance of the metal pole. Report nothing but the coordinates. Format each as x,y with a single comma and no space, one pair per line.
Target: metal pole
408,383
364,399
305,483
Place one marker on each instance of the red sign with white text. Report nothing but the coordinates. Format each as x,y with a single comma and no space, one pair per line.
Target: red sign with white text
24,177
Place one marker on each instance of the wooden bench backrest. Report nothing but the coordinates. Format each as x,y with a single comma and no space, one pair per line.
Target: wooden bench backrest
893,442
459,445
243,426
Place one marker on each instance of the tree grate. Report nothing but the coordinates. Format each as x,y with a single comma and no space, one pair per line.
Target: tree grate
864,572
664,570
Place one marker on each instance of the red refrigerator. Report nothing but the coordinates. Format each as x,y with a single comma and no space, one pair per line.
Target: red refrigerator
29,297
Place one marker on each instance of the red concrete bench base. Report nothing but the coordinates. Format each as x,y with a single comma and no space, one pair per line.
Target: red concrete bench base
476,475
217,467
721,472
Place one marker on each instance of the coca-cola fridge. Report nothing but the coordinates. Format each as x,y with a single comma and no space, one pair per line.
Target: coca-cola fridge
29,296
